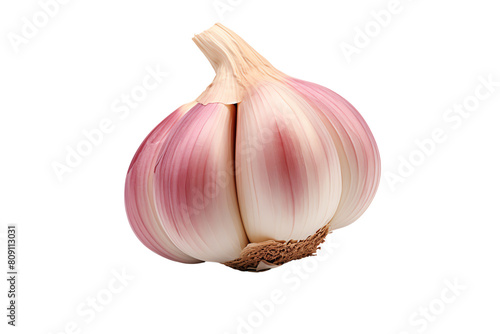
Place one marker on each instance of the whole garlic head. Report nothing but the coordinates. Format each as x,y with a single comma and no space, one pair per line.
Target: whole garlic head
255,172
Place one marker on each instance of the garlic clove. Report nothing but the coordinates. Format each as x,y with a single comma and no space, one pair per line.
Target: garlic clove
356,146
194,185
289,179
139,202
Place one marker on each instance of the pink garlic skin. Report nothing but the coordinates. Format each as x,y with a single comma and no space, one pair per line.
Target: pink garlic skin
259,156
289,184
194,185
139,201
356,147
187,189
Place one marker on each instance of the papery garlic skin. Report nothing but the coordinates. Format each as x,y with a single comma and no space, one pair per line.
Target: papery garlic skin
290,181
356,147
195,191
257,171
139,199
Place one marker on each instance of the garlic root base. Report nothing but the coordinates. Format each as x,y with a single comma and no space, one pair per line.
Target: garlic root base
270,254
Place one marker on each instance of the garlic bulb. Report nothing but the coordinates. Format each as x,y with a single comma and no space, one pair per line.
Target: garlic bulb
255,172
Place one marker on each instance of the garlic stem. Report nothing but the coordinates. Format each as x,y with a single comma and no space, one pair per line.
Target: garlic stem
237,65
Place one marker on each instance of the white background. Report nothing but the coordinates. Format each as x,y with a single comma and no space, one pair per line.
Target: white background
441,224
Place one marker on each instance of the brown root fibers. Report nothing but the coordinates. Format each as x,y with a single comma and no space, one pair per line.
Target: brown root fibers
269,254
